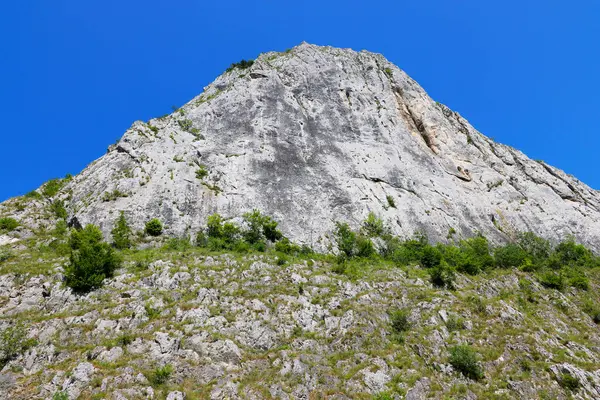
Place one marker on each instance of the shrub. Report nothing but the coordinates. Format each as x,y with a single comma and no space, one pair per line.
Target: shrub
430,257
13,342
270,229
373,226
509,256
8,224
112,196
244,64
178,244
282,260
231,232
537,248
151,312
260,227
60,396
61,228
201,239
464,359
569,382
570,254
399,320
161,375
34,194
410,250
475,255
5,254
185,125
58,209
91,260
364,247
52,187
442,276
154,227
254,222
390,201
215,226
287,247
593,310
455,323
201,172
121,233
552,280
577,279
383,396
125,339
345,239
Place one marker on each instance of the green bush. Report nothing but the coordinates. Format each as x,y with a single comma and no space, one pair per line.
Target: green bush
373,226
161,375
215,226
58,209
464,359
592,308
60,396
569,382
455,323
570,254
442,276
552,280
201,239
260,227
5,254
34,194
91,260
411,250
287,247
14,342
201,172
430,257
121,233
475,255
390,201
345,239
364,247
509,256
8,224
254,221
244,64
154,227
178,244
52,187
537,248
399,321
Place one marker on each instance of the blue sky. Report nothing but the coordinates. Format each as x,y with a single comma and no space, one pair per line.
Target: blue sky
74,75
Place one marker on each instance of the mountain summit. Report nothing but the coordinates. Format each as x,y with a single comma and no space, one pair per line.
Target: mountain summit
317,134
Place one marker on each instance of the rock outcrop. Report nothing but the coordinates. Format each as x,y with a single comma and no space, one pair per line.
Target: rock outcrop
318,134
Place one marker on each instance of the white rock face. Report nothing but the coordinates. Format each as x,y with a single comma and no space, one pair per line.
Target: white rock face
320,134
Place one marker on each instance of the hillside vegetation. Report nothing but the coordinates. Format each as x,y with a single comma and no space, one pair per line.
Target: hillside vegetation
239,311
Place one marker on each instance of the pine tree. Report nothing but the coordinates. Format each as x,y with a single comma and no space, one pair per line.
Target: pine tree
121,233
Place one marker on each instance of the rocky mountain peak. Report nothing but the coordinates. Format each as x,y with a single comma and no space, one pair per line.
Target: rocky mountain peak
317,134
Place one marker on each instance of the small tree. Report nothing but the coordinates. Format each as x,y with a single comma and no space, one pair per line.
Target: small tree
214,226
154,227
345,239
91,260
121,233
373,226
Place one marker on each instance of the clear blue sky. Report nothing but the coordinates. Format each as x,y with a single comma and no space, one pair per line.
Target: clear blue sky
74,75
